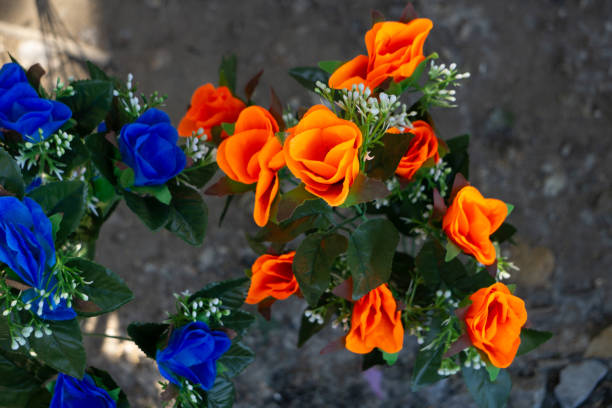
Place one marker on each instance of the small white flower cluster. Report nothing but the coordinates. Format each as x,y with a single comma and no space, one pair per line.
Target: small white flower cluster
314,316
189,390
440,78
448,367
419,332
290,119
503,269
193,148
473,359
46,152
447,296
203,308
131,102
40,330
417,194
341,321
62,91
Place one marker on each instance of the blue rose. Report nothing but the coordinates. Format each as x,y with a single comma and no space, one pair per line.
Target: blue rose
192,353
22,110
27,248
149,147
70,392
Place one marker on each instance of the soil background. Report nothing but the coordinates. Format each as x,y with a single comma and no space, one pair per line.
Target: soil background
538,107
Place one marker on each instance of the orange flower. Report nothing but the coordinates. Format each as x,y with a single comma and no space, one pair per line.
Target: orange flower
494,322
253,154
471,219
376,322
272,276
423,146
322,151
209,108
394,50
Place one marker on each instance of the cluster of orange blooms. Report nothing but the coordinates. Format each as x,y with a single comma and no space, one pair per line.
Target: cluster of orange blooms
322,151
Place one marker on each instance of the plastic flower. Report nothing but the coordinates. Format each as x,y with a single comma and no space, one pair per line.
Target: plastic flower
494,322
210,107
192,353
27,248
23,111
471,219
322,151
253,154
376,322
423,146
149,147
394,50
70,392
272,276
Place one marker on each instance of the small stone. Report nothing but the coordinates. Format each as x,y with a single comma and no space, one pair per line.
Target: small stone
554,184
578,381
601,345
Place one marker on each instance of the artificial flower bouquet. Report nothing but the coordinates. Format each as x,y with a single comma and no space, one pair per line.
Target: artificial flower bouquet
364,211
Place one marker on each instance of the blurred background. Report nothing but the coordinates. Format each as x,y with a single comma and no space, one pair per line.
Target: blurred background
538,107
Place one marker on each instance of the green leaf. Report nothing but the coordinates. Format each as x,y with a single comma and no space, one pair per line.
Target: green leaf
370,254
493,371
102,154
458,158
452,251
222,394
147,336
63,349
309,329
63,197
56,220
90,103
152,213
429,358
161,192
532,339
238,320
227,72
308,76
291,200
17,385
504,233
286,231
96,72
126,178
108,291
188,215
487,393
198,176
412,81
236,359
330,66
226,186
232,293
387,156
104,380
10,175
228,127
371,359
313,261
364,190
510,208
390,358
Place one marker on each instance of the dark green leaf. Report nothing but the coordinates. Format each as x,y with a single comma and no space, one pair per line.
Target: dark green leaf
402,270
291,200
231,292
493,371
102,154
228,128
365,189
312,263
286,231
222,394
161,192
388,155
63,197
236,359
532,339
108,291
227,72
198,176
152,213
10,175
504,233
188,215
308,76
96,72
370,254
429,358
104,380
238,320
226,186
458,158
147,336
487,393
56,220
126,178
330,66
371,359
63,349
90,103
309,329
17,386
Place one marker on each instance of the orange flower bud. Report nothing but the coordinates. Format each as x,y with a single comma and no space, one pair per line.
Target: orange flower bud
272,277
471,219
322,151
423,146
209,108
376,322
253,154
494,322
394,50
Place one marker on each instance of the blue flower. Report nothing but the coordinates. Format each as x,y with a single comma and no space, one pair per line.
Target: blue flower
192,353
70,392
149,147
27,248
22,110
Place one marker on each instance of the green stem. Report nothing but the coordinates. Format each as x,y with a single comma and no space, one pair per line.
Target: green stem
107,335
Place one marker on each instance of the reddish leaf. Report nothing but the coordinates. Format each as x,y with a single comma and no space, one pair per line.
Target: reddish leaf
460,313
291,200
111,137
335,345
265,307
85,306
226,186
461,343
34,74
408,14
439,207
17,285
252,84
492,269
276,109
170,393
377,17
458,184
365,189
344,290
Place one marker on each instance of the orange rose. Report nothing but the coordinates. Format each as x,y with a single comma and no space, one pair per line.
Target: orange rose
322,151
253,154
471,219
376,322
209,108
272,276
394,50
423,146
494,322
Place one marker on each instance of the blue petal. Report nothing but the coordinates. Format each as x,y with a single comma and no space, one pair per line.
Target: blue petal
153,116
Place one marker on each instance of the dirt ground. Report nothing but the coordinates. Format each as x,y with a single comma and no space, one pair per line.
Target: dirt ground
538,107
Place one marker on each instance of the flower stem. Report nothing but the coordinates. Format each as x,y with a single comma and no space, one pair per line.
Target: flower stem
107,335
